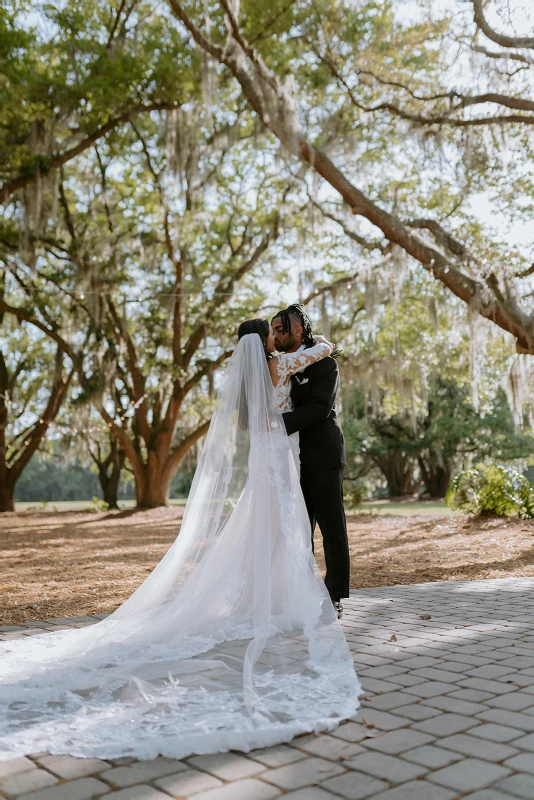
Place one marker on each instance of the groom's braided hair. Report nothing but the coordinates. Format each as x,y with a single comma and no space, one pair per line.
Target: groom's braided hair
296,310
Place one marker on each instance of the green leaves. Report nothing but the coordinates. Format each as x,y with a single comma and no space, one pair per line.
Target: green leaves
68,71
492,490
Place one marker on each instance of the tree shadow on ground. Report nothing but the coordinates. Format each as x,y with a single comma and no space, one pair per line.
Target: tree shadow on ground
73,563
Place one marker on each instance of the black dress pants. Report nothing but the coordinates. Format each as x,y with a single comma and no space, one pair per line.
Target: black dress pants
323,494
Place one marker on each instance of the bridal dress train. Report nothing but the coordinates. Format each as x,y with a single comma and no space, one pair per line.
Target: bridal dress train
231,643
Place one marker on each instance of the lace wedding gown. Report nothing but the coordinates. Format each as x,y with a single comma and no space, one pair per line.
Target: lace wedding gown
231,642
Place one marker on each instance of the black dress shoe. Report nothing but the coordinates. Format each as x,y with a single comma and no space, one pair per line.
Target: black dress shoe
339,609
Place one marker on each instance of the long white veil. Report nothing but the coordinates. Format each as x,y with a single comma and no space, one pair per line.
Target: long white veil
230,643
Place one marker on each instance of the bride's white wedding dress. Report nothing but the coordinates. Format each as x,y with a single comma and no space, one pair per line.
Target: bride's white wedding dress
231,642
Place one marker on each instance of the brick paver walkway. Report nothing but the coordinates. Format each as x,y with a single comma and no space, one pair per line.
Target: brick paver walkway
448,712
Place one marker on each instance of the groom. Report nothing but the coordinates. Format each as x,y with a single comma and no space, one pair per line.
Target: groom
322,447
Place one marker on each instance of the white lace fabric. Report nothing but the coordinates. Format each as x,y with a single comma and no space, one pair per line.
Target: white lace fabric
284,365
230,643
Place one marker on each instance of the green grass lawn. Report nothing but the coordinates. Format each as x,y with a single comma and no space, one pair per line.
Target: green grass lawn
79,505
406,508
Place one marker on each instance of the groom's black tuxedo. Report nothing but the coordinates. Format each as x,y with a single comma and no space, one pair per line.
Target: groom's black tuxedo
322,458
314,395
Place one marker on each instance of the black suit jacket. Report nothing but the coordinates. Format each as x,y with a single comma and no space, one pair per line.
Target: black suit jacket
313,392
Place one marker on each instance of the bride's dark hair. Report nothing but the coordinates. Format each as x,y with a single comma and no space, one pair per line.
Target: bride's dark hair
259,326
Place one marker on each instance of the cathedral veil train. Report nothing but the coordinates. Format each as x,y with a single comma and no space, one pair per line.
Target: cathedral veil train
232,642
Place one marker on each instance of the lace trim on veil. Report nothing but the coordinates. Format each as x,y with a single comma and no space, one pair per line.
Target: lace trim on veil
230,643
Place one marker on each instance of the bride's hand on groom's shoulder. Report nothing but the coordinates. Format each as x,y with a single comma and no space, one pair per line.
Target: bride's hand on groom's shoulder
323,340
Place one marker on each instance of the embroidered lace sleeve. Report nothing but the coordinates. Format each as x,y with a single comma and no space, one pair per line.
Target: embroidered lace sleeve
287,364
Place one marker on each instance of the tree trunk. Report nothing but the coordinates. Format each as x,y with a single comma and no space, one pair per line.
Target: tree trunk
9,476
398,472
7,496
109,481
109,485
152,489
153,477
436,478
153,493
112,487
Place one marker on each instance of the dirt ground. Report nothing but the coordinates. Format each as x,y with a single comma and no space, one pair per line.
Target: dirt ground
72,563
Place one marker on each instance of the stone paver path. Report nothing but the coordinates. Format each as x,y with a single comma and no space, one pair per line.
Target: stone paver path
448,712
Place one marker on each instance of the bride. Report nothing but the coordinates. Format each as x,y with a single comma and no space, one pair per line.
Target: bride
232,642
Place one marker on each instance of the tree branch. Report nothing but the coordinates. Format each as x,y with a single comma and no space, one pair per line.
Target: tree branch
226,284
171,254
205,369
57,396
182,449
44,164
203,42
272,22
513,56
25,316
276,109
518,103
364,243
443,237
115,23
445,118
123,438
329,287
132,364
498,38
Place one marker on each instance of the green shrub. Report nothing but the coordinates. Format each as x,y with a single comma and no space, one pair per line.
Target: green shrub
99,504
354,494
498,490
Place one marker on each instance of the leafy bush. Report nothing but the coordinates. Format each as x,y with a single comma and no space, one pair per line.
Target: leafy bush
492,489
99,504
354,494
